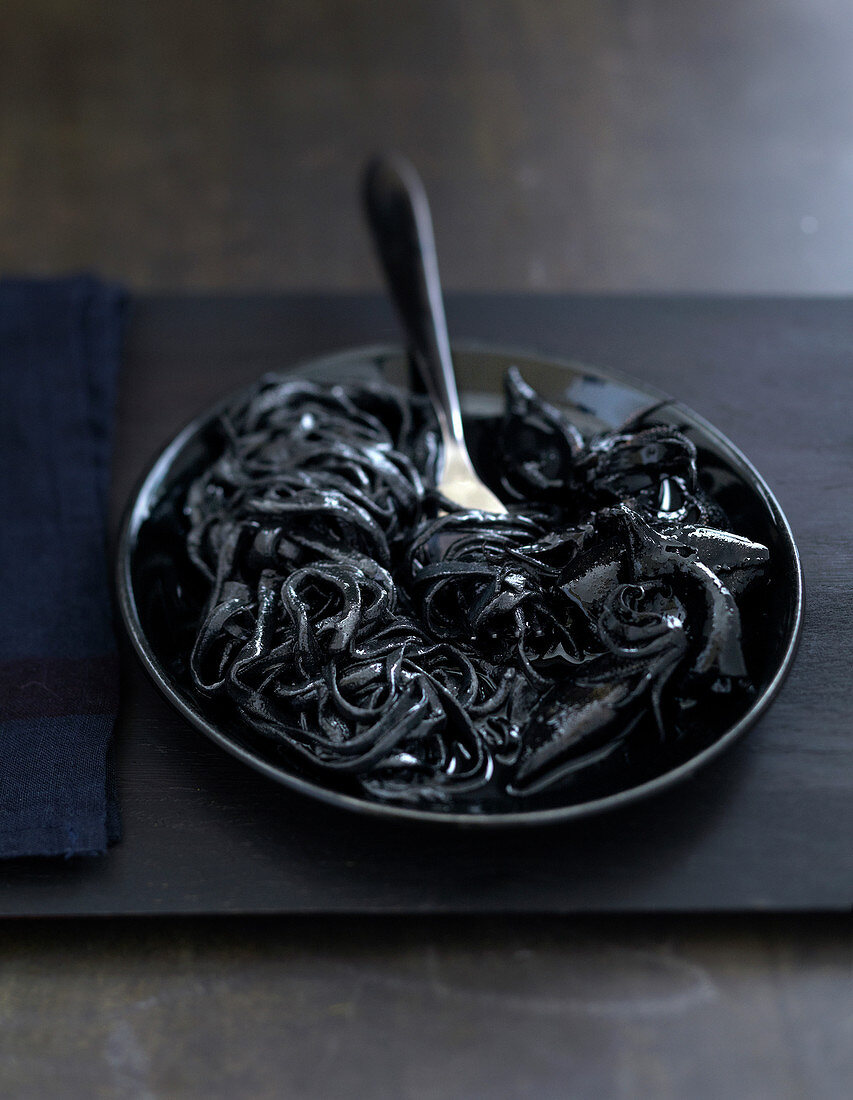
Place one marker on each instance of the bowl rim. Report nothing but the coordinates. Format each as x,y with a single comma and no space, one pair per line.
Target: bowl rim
138,508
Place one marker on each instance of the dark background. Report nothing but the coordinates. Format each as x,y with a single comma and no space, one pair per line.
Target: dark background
566,144
619,146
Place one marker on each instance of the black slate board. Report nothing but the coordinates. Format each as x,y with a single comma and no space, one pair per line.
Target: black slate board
767,827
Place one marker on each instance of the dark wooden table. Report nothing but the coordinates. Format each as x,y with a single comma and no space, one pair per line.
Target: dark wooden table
634,146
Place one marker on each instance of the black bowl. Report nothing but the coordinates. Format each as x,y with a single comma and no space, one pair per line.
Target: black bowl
160,596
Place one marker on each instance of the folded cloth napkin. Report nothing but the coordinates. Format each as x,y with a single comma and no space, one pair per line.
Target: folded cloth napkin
59,350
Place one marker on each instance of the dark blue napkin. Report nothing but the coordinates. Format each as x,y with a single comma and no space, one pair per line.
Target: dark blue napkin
59,350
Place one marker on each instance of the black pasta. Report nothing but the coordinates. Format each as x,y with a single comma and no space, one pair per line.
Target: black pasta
392,644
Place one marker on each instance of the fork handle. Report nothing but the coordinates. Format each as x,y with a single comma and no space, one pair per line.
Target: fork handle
399,217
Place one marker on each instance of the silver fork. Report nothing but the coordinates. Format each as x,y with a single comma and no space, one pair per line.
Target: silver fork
399,218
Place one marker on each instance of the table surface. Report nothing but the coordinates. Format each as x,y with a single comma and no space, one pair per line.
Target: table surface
766,826
578,146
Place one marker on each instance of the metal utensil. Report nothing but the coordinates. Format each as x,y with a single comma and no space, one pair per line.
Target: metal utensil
399,218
